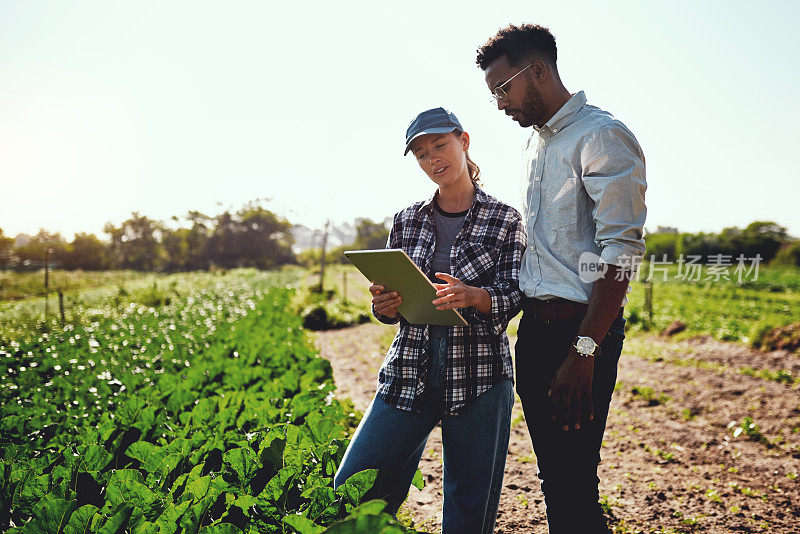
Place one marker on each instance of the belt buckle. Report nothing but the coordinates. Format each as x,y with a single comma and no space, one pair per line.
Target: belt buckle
548,320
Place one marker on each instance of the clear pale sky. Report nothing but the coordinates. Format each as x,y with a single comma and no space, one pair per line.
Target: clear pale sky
165,107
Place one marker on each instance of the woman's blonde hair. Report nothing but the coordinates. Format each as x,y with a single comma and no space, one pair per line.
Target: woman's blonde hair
474,171
472,167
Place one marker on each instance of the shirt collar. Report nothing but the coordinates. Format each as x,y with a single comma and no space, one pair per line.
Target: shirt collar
480,198
564,115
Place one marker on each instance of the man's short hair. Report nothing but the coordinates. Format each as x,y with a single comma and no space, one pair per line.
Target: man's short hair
518,43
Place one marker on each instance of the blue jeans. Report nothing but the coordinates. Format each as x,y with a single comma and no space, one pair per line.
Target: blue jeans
475,443
567,461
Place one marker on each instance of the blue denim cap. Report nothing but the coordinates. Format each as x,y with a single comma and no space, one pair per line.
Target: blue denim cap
432,121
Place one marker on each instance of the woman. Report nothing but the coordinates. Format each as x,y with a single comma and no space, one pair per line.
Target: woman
471,246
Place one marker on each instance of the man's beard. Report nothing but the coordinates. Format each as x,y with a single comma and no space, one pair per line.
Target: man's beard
532,108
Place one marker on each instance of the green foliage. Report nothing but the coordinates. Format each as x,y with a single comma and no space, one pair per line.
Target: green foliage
789,254
22,285
764,238
749,429
6,246
134,244
721,308
209,414
370,234
326,310
251,237
660,245
333,314
758,331
648,395
311,258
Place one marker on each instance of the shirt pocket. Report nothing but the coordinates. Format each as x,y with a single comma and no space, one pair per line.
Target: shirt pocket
561,207
560,183
476,263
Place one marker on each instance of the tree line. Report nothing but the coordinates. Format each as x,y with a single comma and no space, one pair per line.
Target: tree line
766,239
256,237
250,237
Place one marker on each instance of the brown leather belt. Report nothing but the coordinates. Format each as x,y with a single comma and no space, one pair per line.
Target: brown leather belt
556,309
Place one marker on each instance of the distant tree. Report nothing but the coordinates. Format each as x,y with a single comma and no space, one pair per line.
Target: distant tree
176,248
224,243
253,237
762,238
201,229
789,254
86,252
765,238
135,244
6,247
33,252
370,234
666,230
662,244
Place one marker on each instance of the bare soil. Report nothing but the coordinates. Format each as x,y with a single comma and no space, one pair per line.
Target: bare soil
671,462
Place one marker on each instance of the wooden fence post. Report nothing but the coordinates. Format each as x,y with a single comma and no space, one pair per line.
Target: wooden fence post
61,306
46,282
322,259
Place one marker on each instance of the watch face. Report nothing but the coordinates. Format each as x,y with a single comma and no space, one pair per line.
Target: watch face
586,345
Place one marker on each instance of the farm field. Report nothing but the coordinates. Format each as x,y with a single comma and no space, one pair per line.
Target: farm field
18,286
198,403
703,434
196,408
721,308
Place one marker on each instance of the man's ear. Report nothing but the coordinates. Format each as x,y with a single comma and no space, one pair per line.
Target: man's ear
539,69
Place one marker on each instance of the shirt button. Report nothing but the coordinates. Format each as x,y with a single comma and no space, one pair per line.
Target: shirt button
537,179
533,247
533,213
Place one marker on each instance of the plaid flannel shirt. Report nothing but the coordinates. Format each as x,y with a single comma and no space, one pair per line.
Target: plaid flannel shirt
487,253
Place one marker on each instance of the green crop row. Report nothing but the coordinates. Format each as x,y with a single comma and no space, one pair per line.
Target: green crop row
212,414
721,308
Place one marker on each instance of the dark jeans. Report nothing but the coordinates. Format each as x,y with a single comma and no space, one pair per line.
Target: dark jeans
567,461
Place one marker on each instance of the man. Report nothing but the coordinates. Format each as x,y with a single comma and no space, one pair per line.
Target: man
584,212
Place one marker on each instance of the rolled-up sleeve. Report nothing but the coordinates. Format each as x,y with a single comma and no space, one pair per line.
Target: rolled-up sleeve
504,292
391,242
614,177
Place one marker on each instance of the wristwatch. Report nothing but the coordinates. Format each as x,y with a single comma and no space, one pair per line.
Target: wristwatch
586,346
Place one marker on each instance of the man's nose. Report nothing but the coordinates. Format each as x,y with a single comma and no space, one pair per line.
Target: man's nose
502,104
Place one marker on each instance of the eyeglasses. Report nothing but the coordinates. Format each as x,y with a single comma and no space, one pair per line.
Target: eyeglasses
498,93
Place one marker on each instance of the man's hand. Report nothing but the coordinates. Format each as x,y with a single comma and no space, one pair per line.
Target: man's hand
571,391
457,294
385,303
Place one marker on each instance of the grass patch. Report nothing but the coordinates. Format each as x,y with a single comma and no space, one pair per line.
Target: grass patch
723,309
648,395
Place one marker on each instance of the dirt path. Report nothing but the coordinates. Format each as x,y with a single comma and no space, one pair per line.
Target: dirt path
670,461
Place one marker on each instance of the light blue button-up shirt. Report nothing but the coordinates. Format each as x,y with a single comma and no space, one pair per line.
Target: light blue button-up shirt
583,191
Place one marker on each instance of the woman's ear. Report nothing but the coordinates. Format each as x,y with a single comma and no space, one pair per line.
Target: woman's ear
464,138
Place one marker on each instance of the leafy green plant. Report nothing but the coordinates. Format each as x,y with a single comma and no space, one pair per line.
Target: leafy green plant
750,430
210,414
